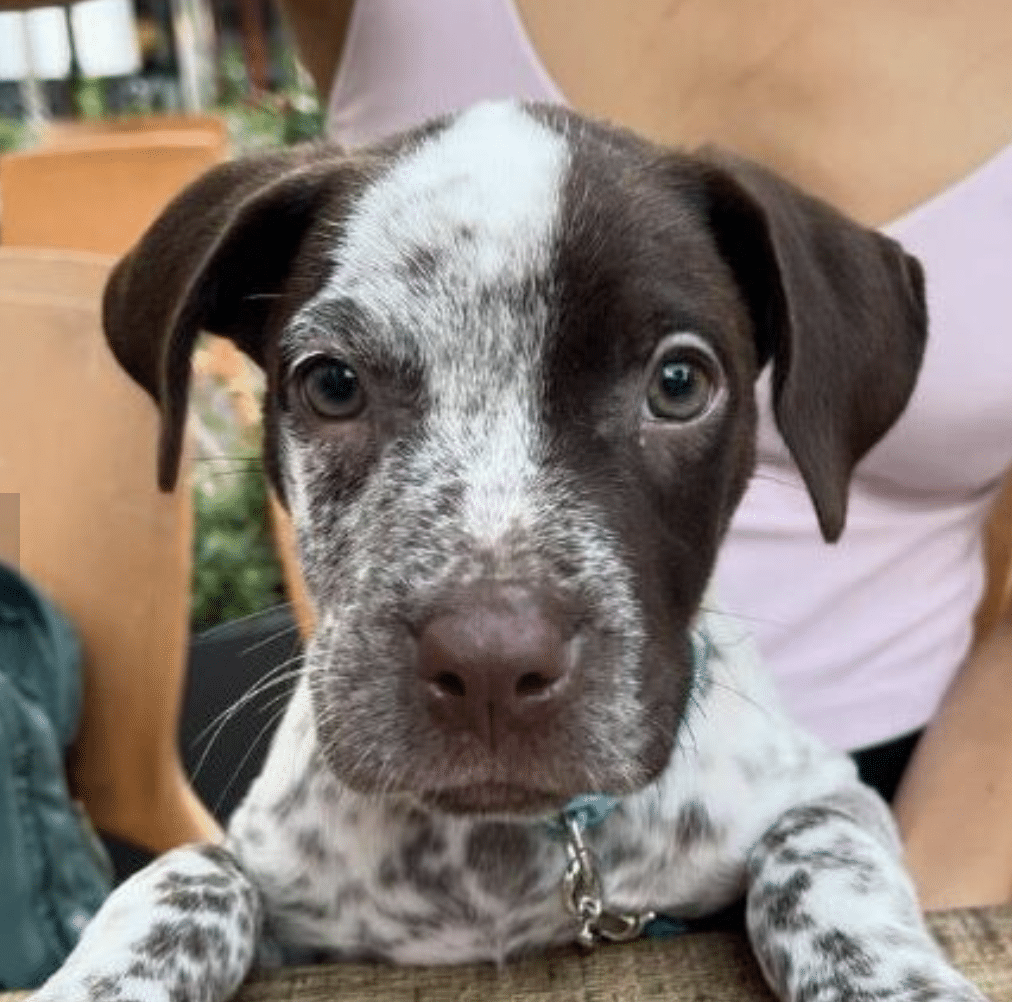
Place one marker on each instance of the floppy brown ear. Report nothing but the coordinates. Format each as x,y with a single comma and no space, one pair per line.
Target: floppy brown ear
838,307
214,261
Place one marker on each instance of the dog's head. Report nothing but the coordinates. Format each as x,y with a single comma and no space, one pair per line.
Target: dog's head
510,362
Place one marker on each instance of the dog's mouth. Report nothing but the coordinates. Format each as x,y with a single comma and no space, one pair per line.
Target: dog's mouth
495,798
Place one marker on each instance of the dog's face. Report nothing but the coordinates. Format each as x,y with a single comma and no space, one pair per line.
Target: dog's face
510,406
505,412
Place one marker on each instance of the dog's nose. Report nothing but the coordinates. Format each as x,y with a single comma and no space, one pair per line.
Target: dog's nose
501,660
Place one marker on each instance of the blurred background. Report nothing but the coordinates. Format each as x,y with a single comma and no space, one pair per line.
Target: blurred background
189,641
100,58
75,75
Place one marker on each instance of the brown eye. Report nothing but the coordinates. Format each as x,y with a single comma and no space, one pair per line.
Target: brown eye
684,381
331,388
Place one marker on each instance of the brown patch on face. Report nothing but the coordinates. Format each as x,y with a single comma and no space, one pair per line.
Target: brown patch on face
635,264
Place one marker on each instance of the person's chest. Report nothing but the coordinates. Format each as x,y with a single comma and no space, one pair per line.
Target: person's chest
874,105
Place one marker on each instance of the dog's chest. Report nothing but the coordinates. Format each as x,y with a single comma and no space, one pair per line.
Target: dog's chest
345,876
403,885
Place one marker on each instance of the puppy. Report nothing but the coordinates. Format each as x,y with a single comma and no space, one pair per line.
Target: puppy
510,361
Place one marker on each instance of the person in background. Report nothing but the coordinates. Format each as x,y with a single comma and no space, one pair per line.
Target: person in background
899,114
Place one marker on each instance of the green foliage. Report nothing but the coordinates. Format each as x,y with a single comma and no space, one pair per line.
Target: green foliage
303,120
89,96
235,570
290,115
13,135
232,80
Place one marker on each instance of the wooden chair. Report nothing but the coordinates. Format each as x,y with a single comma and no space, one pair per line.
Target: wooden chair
77,443
95,532
101,193
35,271
63,131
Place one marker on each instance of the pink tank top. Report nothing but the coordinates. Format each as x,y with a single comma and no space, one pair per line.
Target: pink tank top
407,60
866,635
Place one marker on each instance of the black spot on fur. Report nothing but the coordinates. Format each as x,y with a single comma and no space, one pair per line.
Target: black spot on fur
781,904
389,874
420,862
921,988
104,989
844,951
449,498
426,845
253,836
838,987
796,822
161,942
218,855
310,844
196,940
199,900
421,264
350,896
621,853
693,826
501,856
185,989
843,856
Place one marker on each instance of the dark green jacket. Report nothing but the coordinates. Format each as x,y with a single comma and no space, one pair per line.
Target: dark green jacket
53,873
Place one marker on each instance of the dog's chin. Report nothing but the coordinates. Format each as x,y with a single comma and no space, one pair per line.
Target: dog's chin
499,799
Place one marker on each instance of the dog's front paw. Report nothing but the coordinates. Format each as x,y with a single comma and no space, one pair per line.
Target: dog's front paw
64,988
939,985
839,968
945,985
184,929
137,980
62,993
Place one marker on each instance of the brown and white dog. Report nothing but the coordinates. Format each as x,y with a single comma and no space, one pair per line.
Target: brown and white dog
510,360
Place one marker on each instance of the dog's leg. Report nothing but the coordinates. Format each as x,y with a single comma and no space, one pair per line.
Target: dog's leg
831,913
184,928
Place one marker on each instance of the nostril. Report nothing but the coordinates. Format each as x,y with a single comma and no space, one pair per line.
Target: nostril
533,683
448,684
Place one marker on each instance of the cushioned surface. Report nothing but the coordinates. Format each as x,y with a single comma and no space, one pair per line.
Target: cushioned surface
692,968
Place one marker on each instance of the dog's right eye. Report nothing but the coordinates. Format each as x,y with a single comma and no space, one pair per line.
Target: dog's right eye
685,381
331,389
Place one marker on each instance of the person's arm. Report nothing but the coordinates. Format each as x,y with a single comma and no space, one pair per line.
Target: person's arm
954,806
319,27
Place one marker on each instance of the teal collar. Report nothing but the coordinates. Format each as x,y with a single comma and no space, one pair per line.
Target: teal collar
581,883
585,811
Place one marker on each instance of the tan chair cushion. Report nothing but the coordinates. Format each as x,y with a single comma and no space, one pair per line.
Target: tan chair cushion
98,195
62,131
77,444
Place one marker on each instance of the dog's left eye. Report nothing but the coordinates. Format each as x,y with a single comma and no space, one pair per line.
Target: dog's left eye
683,384
331,388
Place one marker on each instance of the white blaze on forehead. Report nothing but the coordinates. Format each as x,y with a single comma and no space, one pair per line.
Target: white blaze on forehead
495,172
480,200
